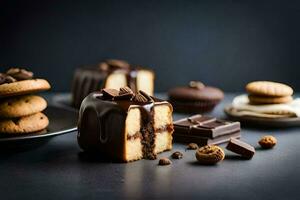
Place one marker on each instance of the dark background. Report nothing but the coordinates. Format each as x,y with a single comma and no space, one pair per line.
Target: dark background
222,43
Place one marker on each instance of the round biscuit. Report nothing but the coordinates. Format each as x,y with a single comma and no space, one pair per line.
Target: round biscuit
23,87
21,106
268,88
269,100
23,125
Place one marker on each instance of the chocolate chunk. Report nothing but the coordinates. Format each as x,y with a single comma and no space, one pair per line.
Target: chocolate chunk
6,79
241,148
177,155
125,90
109,93
192,146
140,98
197,85
103,66
20,74
164,161
117,63
127,96
148,97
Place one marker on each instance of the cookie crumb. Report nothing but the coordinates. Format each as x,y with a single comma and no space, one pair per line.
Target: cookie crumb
267,142
177,155
164,161
192,146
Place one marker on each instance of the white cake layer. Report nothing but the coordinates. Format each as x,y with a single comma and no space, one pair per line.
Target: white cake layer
145,81
162,115
116,81
133,121
133,149
163,141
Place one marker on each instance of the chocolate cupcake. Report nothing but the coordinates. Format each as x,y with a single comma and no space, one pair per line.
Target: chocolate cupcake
196,98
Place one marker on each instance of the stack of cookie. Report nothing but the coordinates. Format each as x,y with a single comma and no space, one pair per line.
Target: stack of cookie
267,92
266,99
20,109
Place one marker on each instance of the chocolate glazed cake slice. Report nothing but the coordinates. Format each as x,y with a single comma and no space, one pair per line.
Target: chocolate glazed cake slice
124,125
112,74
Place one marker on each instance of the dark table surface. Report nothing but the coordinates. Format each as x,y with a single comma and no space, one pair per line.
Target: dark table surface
59,170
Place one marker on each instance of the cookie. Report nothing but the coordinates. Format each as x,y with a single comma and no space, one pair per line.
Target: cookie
269,100
195,98
23,87
267,142
23,125
192,146
21,106
164,161
210,154
268,88
177,155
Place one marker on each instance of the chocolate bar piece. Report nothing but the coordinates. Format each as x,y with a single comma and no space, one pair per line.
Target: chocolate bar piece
204,126
202,141
205,130
241,148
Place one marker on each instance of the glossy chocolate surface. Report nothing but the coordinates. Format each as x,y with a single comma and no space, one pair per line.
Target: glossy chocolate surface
204,126
241,148
205,130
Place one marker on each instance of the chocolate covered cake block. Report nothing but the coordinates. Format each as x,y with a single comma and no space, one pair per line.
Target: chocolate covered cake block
125,126
112,74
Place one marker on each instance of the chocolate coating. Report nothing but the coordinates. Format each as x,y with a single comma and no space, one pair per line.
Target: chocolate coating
195,98
206,93
93,132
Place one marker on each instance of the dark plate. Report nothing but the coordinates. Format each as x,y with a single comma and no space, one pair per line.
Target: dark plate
61,121
264,122
64,100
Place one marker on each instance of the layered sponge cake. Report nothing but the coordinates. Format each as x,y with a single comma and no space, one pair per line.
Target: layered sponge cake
124,125
112,74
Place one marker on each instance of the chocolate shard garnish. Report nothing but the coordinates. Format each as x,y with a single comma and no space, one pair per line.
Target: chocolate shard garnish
127,96
103,66
125,90
109,93
20,74
197,85
117,63
140,98
6,79
148,97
